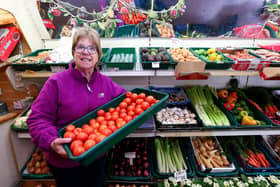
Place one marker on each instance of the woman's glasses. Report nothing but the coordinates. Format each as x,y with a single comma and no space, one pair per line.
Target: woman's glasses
91,50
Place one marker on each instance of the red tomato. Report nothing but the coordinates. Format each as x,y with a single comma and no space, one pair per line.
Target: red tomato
128,94
100,119
122,115
138,110
123,105
92,121
123,110
111,109
100,137
76,143
85,126
92,137
77,130
89,143
107,132
110,123
82,136
103,123
120,123
112,127
142,96
89,130
150,99
145,105
70,127
131,113
69,134
102,127
130,108
128,118
134,96
139,101
95,125
115,117
78,150
117,109
127,100
100,112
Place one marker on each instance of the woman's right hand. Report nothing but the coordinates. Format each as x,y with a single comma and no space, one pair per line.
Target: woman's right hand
57,146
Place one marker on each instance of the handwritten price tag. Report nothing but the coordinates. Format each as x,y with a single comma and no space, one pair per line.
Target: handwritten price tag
175,43
155,65
180,175
130,156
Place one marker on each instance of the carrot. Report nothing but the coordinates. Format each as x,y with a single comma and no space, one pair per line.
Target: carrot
253,163
275,108
271,109
262,156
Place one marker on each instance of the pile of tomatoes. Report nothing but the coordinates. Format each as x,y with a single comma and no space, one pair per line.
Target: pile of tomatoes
107,122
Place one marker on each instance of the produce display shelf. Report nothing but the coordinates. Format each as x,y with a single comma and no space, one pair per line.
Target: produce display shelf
129,73
190,132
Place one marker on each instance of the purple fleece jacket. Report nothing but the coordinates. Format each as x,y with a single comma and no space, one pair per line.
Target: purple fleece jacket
66,97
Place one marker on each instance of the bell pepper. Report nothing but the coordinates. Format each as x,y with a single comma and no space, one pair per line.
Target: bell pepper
248,120
231,99
229,106
233,94
223,93
243,113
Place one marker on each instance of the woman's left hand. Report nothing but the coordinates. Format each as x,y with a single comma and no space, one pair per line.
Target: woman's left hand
57,146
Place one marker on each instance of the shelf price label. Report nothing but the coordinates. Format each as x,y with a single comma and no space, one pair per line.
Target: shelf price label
180,175
175,43
130,156
155,65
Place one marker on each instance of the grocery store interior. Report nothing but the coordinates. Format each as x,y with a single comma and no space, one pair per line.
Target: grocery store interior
212,69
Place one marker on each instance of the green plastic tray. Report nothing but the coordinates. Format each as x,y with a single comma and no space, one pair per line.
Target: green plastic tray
34,66
107,143
126,31
162,64
120,65
232,120
131,178
205,174
14,128
157,174
258,115
214,65
24,173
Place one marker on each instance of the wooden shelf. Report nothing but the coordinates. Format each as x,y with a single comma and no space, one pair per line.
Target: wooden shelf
46,74
6,18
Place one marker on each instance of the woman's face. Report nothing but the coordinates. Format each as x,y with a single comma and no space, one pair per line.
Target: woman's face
85,54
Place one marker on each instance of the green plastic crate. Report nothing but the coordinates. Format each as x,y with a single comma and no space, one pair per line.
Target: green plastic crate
34,66
121,65
258,115
126,31
131,178
24,173
214,65
161,64
157,174
205,174
94,152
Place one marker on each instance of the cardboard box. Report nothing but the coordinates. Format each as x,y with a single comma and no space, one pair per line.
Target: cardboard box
9,37
270,73
191,71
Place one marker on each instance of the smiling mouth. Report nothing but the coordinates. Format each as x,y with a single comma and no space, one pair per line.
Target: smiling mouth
85,59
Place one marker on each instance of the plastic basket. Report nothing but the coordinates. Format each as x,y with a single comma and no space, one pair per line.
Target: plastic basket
176,127
24,172
97,150
127,31
17,129
32,66
227,63
154,64
131,178
158,174
123,53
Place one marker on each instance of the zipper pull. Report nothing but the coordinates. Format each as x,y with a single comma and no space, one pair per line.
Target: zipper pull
89,89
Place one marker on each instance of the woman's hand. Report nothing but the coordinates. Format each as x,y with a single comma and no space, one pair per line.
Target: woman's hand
57,146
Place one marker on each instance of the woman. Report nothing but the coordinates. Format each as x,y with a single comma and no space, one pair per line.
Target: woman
66,97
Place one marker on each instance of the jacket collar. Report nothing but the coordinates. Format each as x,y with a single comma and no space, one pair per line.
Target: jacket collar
80,75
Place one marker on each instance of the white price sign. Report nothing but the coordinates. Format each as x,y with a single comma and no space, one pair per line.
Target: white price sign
180,175
254,64
155,64
130,156
175,43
